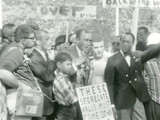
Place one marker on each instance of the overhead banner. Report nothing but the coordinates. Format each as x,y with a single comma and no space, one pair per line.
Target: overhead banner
66,12
131,3
95,102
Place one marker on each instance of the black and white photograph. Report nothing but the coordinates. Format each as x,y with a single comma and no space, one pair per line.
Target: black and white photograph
79,59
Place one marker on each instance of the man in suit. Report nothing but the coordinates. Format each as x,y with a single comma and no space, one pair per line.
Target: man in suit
43,67
123,75
80,53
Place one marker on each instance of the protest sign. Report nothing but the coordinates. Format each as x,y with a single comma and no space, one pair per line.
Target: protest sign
95,102
66,12
131,3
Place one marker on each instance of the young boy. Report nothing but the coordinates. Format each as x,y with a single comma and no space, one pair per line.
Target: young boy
63,89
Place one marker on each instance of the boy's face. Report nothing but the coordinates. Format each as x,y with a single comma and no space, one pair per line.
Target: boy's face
66,67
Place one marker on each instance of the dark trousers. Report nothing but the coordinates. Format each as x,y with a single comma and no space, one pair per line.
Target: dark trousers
79,113
152,110
66,112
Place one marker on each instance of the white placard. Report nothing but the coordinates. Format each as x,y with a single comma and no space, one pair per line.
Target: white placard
66,12
95,102
131,3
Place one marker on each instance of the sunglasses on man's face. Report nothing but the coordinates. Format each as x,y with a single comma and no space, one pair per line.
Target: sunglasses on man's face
115,43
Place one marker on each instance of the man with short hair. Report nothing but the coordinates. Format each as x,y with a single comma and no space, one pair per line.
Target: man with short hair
81,53
124,78
43,67
115,44
100,60
142,35
7,35
12,61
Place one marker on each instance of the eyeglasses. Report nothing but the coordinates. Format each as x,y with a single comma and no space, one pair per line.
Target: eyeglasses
115,43
31,38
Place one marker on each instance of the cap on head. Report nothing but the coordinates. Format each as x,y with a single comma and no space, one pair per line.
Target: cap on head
60,40
153,38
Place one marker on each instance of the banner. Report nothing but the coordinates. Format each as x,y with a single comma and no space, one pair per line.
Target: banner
66,12
131,3
95,102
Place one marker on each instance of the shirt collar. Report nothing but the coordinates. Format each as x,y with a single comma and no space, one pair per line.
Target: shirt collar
123,54
59,73
42,53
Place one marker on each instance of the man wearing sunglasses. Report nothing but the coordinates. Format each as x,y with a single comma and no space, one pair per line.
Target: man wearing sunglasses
115,44
12,67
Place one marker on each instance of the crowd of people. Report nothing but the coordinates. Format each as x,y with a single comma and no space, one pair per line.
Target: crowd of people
30,60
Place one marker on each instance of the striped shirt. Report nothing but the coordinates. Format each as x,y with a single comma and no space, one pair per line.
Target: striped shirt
63,90
152,79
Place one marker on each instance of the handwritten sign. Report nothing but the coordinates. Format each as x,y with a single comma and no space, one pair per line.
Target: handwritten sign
131,3
66,12
95,102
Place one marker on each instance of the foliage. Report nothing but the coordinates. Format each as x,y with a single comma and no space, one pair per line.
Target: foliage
25,11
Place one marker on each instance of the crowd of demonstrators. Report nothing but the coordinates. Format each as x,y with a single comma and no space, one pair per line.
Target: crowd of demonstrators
29,59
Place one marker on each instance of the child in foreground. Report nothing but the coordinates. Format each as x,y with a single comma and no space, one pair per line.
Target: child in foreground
63,89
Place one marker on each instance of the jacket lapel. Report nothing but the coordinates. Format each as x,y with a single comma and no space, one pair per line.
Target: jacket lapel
39,56
121,63
124,62
133,62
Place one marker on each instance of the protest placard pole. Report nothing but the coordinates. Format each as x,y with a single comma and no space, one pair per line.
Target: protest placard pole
0,13
135,19
117,21
95,102
67,30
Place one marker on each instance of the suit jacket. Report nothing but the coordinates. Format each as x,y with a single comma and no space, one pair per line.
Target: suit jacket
126,84
73,52
44,72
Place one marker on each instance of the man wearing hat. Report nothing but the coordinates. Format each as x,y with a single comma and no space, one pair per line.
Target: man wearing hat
152,80
60,43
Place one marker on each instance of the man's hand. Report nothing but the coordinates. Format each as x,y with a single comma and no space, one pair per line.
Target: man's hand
51,54
80,60
114,113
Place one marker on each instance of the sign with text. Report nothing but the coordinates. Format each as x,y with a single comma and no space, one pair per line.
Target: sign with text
66,12
95,102
131,3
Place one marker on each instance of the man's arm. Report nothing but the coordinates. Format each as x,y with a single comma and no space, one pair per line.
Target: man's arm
150,53
8,78
109,76
44,73
10,63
